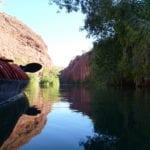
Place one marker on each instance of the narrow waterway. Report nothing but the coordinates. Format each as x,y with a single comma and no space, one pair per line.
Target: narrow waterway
76,118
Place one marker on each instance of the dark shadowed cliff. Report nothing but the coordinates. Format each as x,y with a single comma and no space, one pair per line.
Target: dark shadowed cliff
20,43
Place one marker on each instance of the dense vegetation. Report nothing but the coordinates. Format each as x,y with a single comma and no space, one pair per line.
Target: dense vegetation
46,78
50,78
46,84
121,29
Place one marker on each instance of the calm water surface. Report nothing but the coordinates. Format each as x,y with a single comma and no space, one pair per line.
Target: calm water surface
78,119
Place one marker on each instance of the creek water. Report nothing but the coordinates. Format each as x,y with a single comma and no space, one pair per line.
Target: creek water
76,118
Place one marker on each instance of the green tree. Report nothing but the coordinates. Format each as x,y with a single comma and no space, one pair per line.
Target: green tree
121,29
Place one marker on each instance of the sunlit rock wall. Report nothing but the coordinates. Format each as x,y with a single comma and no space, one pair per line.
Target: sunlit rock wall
20,43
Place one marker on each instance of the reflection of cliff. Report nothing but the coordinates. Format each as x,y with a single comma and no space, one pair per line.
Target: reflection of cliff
78,69
10,113
26,128
29,124
78,97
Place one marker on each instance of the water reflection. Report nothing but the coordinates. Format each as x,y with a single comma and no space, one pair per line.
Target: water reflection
9,89
77,118
123,115
78,97
23,116
9,115
26,128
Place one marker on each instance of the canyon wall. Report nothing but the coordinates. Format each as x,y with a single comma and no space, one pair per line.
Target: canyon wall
78,69
19,43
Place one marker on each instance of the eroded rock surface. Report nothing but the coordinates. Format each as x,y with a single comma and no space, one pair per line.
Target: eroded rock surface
20,43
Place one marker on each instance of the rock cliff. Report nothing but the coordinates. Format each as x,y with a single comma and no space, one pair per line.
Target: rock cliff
20,43
78,69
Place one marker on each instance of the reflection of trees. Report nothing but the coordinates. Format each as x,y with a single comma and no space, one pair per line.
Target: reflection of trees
100,142
79,97
50,94
34,91
121,114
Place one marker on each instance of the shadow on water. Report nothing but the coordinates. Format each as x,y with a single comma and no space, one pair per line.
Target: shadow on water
121,120
10,88
10,113
13,103
15,115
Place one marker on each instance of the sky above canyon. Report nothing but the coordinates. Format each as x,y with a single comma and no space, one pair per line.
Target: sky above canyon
60,31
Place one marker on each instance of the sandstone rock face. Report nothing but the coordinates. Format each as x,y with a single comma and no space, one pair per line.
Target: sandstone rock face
78,69
20,43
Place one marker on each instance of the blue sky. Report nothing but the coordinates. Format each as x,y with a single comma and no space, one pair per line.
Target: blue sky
60,31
